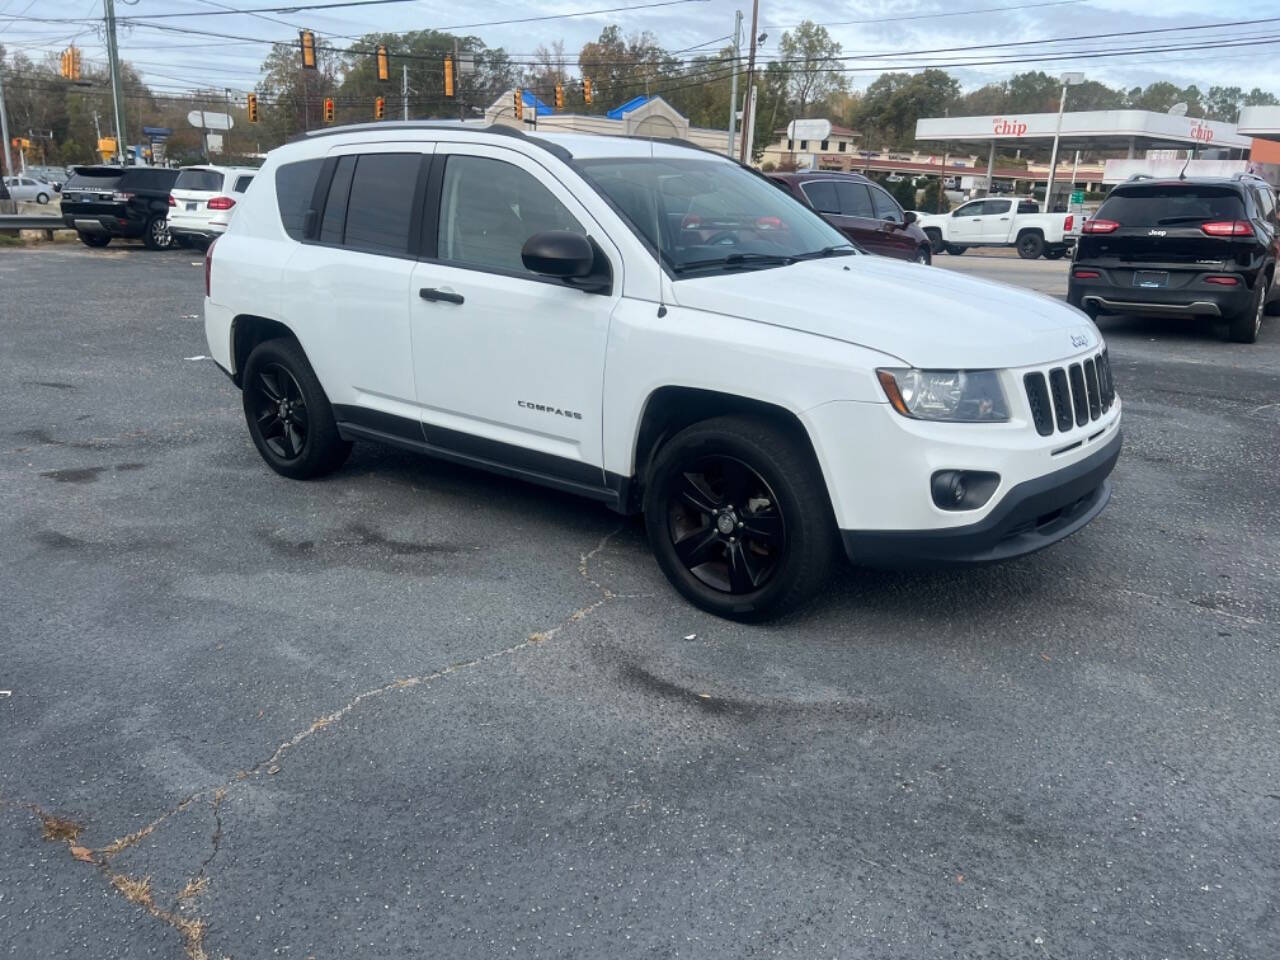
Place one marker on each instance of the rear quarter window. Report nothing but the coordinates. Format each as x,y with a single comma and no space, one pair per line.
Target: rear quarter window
295,185
242,183
1171,204
208,181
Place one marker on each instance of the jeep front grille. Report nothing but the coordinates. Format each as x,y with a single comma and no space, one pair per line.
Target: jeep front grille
1071,396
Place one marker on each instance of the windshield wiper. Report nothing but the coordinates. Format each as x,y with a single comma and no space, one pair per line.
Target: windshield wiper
843,250
735,261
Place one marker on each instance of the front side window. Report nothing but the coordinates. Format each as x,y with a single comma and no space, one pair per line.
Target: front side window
855,201
971,209
489,208
886,208
380,203
711,215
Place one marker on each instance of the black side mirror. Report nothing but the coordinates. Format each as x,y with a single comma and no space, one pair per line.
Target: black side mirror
908,218
569,257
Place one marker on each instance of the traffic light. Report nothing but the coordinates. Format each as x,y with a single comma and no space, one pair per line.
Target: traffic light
253,108
518,106
379,108
559,96
328,109
586,89
384,67
22,143
448,76
70,63
64,64
308,40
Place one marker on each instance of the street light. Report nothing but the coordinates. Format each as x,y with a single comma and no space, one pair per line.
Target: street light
1068,80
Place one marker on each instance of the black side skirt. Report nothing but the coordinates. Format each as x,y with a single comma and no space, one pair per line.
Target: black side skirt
560,473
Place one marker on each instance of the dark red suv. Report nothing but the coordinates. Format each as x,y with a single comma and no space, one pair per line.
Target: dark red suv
860,209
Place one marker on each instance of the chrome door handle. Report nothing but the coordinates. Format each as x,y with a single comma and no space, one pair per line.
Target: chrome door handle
442,296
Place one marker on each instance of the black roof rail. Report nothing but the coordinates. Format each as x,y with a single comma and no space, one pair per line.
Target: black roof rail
1138,176
452,125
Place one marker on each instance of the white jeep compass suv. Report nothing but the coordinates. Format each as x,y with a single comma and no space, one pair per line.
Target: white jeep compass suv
657,328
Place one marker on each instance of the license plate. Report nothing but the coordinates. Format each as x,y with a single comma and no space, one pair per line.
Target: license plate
191,206
1151,278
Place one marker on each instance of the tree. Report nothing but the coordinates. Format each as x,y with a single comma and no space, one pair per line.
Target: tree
1257,97
1159,97
809,57
624,68
1223,103
894,102
1033,92
935,198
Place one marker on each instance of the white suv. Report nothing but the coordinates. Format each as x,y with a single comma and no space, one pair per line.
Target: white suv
657,328
203,201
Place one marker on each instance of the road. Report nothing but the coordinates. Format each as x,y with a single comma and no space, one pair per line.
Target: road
413,710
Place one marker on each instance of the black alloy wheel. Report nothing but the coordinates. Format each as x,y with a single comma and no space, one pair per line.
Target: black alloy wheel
726,525
289,416
739,518
1030,246
280,410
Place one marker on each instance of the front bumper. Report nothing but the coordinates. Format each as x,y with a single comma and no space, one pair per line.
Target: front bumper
1031,515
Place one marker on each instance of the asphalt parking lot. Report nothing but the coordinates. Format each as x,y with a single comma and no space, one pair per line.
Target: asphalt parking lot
413,710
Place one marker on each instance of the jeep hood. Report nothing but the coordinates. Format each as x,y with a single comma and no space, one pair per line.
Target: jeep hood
926,316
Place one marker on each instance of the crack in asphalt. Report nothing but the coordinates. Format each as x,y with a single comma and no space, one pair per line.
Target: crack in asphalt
192,929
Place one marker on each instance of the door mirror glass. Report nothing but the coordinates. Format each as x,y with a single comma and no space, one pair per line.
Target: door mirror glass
558,253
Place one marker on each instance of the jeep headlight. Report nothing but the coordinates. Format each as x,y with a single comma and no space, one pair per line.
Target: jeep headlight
959,396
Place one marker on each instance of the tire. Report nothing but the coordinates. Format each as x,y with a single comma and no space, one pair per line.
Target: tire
42,198
954,250
157,235
1272,309
935,240
923,255
1244,326
708,545
1055,253
94,239
305,443
1030,246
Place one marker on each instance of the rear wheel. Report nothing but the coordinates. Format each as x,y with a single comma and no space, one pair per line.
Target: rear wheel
157,235
289,416
1030,246
738,518
1244,326
94,239
954,250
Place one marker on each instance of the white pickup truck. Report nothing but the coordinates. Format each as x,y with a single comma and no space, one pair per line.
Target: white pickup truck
1001,222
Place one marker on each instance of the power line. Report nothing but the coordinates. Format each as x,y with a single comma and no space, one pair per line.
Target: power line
928,16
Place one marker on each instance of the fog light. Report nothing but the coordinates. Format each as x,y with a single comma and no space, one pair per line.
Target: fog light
962,489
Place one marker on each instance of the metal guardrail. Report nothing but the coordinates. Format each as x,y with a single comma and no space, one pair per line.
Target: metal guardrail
11,222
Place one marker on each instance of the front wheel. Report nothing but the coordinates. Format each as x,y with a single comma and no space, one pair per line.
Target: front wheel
288,414
1055,253
94,239
1030,246
739,519
1244,326
923,255
935,240
157,235
42,198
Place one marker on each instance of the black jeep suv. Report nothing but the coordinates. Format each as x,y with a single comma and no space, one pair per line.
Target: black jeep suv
1199,247
132,202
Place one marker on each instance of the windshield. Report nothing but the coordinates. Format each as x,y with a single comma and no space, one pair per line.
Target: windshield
707,215
1169,204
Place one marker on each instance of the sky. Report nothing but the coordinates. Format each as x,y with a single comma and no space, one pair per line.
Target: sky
887,33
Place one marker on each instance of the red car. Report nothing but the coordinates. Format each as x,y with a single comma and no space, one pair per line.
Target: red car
860,209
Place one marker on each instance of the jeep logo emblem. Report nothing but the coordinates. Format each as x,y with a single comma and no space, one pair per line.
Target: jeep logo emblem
1079,340
1157,233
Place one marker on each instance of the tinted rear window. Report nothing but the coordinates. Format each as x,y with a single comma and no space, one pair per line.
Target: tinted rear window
380,202
209,181
145,178
295,183
93,179
1171,204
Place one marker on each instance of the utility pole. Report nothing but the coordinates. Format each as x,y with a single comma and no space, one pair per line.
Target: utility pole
457,81
751,74
7,166
226,147
733,87
404,88
113,55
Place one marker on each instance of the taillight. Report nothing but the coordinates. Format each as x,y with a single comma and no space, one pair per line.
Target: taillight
208,266
172,202
1100,226
1222,281
221,203
1068,223
1086,274
1228,228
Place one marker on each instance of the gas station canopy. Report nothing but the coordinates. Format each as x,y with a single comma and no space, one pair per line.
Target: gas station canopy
1260,122
1131,130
